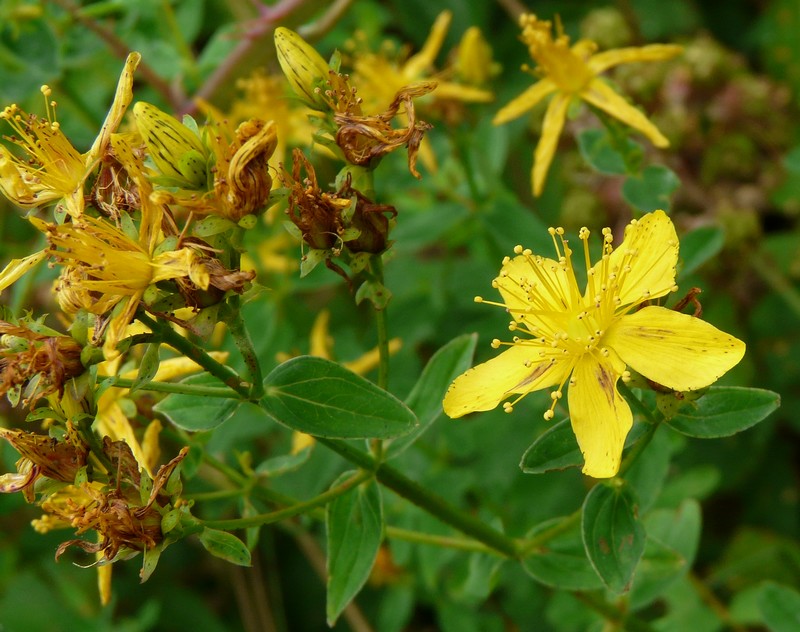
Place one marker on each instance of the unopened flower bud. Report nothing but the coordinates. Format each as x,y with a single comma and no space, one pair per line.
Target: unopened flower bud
303,66
177,151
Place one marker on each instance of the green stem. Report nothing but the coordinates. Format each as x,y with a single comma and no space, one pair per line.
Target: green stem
613,614
245,345
425,499
637,404
383,332
182,389
224,374
530,545
293,510
462,544
276,497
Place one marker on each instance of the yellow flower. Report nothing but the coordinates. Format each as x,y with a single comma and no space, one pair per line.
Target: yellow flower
380,76
53,169
569,72
106,271
592,336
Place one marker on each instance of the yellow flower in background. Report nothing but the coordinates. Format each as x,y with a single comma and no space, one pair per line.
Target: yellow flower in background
379,76
53,169
569,72
590,337
265,95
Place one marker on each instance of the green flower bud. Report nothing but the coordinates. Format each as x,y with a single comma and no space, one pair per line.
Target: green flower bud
303,66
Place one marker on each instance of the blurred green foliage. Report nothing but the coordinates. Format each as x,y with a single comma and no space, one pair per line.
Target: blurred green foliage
731,106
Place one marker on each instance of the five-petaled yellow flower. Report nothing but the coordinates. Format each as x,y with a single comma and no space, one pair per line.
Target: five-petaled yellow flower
53,169
591,337
569,72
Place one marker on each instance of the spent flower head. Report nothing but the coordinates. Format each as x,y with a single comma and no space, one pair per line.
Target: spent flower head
36,362
589,338
205,171
573,72
362,137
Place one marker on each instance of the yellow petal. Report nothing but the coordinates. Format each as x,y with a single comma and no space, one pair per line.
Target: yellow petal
520,369
525,101
370,360
645,260
104,580
118,326
16,268
531,285
551,130
601,418
459,92
679,351
122,99
416,66
171,368
113,423
321,343
654,52
602,96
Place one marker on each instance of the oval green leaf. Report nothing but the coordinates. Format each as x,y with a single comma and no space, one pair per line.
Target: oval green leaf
355,530
197,412
724,410
652,189
561,561
426,397
780,607
613,535
554,449
225,546
597,149
557,448
322,398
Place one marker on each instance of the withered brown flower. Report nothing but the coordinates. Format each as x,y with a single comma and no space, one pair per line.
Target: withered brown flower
26,355
40,455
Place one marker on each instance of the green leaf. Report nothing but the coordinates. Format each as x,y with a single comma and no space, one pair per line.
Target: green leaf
598,150
678,528
355,530
724,411
554,449
426,397
195,412
659,567
149,562
322,398
283,463
699,246
651,190
557,448
613,535
780,607
225,545
148,367
561,561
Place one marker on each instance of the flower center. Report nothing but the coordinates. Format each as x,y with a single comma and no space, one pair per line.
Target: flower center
555,59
